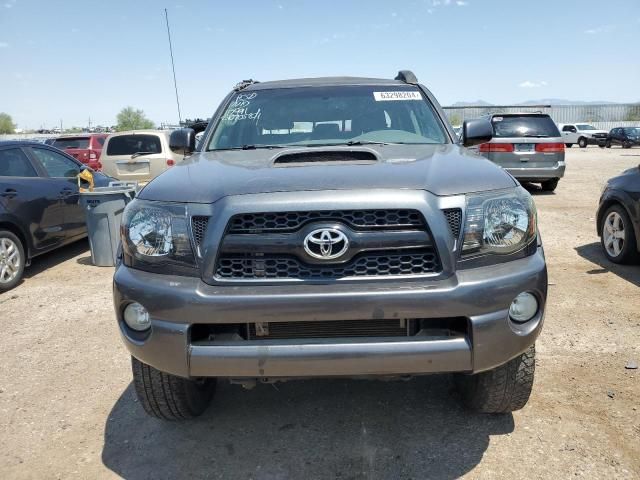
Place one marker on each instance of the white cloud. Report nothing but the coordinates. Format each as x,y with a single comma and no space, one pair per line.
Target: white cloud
4,44
601,29
461,3
530,84
9,4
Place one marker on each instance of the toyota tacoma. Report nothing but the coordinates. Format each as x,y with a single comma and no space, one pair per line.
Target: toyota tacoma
330,227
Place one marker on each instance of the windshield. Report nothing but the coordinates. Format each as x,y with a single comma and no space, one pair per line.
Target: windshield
134,143
586,127
524,126
633,131
327,116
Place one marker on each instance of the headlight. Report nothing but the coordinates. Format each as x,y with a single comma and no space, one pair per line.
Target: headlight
155,238
499,223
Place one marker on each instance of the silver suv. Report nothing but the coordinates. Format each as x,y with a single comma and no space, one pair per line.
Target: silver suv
330,227
527,145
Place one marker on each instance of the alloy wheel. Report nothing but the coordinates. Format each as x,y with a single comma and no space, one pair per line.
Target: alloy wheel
614,234
9,260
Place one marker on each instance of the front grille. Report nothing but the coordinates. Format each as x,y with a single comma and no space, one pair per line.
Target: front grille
454,219
199,227
332,329
373,264
291,221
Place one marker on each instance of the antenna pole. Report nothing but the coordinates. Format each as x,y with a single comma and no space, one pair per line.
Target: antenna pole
173,67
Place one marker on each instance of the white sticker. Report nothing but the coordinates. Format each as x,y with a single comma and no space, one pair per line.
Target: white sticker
398,95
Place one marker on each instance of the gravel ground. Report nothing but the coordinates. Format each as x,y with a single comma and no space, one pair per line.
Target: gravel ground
67,408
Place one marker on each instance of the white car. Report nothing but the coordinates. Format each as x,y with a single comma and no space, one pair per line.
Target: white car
582,133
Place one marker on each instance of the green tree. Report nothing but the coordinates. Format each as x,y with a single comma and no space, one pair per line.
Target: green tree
455,119
6,123
131,119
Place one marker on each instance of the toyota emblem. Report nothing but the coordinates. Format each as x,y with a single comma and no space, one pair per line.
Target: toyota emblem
326,243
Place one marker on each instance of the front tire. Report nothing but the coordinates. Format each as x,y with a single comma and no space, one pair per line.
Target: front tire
550,185
617,237
582,142
626,145
502,390
169,397
12,260
568,145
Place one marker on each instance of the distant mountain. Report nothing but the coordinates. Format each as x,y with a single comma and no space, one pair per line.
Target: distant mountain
562,101
477,103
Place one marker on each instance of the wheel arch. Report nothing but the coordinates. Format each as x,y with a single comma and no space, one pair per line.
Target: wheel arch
13,227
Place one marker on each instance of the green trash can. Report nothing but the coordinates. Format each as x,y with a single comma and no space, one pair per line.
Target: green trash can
103,210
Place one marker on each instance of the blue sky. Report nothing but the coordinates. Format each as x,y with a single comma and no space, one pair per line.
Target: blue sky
72,60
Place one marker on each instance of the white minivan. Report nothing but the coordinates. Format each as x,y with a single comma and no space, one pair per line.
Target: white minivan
138,155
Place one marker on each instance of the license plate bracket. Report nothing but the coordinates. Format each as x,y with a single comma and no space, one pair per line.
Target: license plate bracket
525,147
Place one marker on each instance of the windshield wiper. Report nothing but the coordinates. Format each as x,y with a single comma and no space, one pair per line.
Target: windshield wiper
246,147
350,143
139,154
529,135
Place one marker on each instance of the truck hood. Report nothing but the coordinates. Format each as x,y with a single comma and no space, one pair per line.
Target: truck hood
591,132
206,177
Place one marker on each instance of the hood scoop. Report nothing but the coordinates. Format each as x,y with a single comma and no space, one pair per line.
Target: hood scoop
324,157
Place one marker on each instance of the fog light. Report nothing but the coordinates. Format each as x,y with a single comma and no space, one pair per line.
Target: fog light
523,307
137,317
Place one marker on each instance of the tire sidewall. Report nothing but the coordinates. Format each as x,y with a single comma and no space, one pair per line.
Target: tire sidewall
550,185
10,235
582,142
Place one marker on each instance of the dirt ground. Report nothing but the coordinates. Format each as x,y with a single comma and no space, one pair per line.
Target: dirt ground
67,408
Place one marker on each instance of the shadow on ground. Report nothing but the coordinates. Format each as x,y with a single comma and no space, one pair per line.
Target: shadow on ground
43,262
536,189
344,429
593,252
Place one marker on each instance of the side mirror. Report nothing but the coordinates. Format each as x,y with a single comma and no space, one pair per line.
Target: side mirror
475,132
183,141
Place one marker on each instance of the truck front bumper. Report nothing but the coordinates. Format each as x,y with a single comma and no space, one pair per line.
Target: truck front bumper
482,296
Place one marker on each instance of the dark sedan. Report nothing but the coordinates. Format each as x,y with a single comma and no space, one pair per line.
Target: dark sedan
618,217
39,208
626,137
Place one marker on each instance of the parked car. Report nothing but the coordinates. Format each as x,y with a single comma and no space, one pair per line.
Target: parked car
39,208
330,227
139,155
618,217
626,137
528,146
583,134
84,147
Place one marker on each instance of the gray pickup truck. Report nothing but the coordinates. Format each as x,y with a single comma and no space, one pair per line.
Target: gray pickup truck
330,227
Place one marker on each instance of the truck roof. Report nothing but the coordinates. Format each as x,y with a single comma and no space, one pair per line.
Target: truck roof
323,82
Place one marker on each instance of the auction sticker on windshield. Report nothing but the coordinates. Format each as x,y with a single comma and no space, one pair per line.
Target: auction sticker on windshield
386,96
